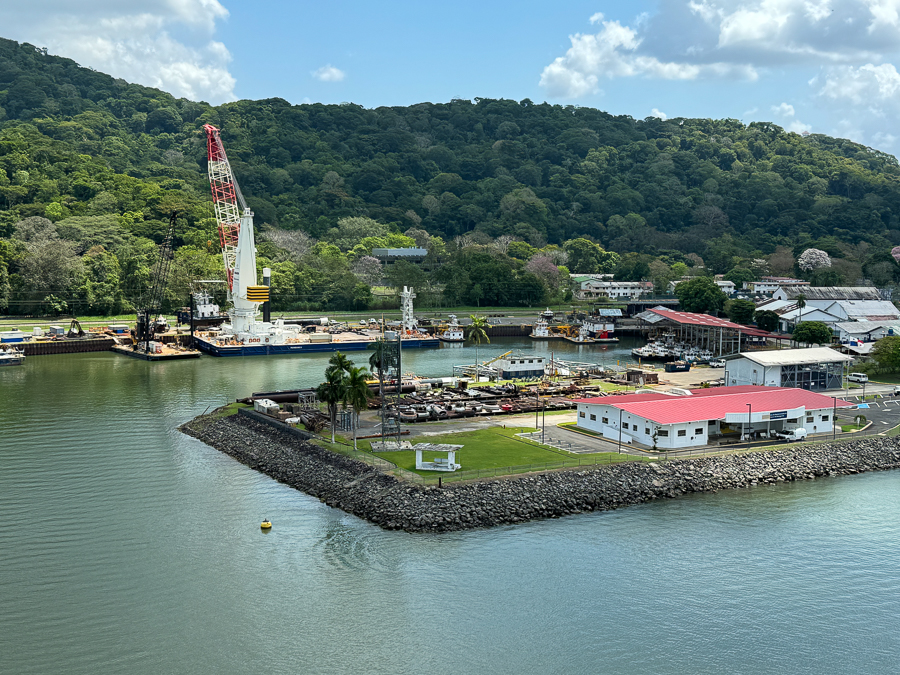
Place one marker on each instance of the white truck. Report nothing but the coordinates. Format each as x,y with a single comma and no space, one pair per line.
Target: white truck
792,435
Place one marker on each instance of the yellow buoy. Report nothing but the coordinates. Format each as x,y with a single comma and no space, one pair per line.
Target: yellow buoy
266,525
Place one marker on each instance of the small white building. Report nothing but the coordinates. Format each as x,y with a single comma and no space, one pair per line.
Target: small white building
724,285
520,366
768,285
659,420
816,368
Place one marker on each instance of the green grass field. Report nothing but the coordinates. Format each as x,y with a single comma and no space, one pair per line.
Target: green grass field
493,448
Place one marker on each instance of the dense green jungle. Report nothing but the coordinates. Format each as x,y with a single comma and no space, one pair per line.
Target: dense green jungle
508,197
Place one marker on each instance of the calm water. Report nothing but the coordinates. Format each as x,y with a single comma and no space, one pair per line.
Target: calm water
126,547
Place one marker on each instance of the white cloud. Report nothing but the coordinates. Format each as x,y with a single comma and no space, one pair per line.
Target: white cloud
613,52
329,74
134,44
870,84
596,18
658,113
798,127
783,110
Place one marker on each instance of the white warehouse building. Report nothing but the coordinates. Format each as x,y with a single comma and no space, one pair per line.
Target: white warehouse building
660,420
815,368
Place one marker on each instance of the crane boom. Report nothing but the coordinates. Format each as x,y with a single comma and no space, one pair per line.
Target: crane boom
236,236
227,199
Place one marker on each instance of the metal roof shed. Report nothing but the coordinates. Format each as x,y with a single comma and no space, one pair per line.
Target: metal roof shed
815,368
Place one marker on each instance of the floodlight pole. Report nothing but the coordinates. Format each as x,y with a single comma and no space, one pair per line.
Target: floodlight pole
620,431
749,422
834,418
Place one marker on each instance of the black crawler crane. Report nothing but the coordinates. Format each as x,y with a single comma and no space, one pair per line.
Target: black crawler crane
147,324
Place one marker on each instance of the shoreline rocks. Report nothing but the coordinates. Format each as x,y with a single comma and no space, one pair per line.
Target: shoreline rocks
359,489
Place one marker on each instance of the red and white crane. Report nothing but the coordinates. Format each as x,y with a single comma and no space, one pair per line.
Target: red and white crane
236,237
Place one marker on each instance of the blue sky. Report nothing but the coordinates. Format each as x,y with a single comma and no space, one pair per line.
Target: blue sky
818,65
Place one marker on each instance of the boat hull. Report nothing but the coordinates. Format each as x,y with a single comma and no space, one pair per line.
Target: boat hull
302,348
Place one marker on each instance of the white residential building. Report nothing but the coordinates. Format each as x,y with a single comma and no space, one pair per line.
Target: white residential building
615,290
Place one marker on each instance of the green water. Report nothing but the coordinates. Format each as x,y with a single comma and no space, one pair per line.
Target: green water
126,547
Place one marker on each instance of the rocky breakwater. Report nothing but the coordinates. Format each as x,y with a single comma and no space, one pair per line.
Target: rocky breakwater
359,489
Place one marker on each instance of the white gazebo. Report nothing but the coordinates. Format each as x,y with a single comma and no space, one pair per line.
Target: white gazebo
447,463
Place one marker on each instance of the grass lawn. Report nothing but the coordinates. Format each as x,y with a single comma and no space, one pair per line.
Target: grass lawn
852,427
493,448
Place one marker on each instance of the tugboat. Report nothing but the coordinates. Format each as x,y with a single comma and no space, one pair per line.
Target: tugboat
582,337
541,330
453,332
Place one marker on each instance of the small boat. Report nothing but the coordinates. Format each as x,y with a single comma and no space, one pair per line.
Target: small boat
11,356
453,332
583,336
677,367
541,331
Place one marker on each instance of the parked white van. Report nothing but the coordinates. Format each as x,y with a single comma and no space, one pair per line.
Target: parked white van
858,377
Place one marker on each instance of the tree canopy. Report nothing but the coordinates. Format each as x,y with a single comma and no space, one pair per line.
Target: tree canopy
106,162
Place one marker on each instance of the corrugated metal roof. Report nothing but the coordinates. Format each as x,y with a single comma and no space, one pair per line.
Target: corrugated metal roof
859,327
786,357
692,319
699,408
832,292
610,312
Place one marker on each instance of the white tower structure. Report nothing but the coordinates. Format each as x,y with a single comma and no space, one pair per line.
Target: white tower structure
408,322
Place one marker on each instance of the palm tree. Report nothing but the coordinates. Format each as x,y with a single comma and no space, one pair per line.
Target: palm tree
357,393
340,362
477,333
333,391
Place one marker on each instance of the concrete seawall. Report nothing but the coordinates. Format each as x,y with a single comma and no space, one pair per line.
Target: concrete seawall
357,488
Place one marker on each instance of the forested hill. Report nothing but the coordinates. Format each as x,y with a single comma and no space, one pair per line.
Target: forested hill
106,162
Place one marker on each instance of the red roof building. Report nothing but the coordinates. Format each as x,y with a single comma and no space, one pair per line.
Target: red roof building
689,421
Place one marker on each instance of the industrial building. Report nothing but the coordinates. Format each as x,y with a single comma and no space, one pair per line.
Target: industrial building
816,368
660,420
718,336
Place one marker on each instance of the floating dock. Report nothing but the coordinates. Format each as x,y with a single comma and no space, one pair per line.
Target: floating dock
167,353
338,343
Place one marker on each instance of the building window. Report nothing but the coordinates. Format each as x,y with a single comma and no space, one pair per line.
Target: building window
593,418
647,430
662,433
698,432
825,418
682,432
809,418
605,420
581,414
625,425
530,360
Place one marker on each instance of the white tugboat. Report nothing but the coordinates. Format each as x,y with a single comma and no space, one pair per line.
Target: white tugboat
541,330
453,332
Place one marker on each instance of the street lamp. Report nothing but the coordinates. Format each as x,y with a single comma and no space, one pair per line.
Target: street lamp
543,418
834,418
749,422
620,431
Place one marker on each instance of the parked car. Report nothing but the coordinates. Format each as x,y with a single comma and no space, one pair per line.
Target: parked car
859,378
716,363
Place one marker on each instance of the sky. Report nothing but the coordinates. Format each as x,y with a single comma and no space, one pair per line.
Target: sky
823,66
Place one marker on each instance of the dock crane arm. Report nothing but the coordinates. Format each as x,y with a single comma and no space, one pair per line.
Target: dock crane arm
152,305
